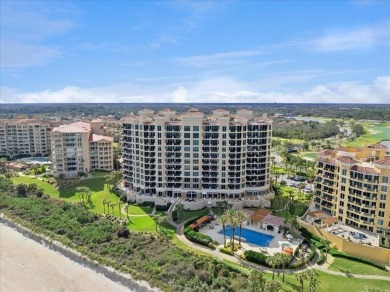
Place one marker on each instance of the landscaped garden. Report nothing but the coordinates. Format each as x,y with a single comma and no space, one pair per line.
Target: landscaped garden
354,267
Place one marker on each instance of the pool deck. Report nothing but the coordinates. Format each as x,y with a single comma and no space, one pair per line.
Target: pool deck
274,246
34,160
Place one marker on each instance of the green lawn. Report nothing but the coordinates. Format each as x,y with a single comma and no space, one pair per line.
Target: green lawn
374,134
329,282
191,214
309,155
354,267
142,223
96,184
139,210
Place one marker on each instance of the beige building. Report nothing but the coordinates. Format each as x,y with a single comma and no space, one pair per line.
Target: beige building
352,184
193,156
25,137
81,147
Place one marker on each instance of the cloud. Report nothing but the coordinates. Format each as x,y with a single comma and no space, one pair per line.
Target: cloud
25,30
224,58
343,40
219,90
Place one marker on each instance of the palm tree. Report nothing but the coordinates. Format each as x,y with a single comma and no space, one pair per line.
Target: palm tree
326,246
223,220
284,259
127,211
301,277
112,207
241,217
104,206
294,223
220,205
156,219
312,277
119,208
272,261
272,286
283,183
232,215
257,281
108,207
300,187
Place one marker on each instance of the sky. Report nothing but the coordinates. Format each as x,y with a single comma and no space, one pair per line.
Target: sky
195,51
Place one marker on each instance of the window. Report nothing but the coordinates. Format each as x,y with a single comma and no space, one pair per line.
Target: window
187,173
195,128
195,142
383,197
344,172
196,155
381,214
187,155
196,173
385,179
187,128
187,142
195,149
380,222
187,149
187,135
195,135
384,189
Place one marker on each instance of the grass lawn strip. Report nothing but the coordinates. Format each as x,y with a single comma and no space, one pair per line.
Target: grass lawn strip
354,267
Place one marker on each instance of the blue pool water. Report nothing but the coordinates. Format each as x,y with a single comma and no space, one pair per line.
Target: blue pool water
251,236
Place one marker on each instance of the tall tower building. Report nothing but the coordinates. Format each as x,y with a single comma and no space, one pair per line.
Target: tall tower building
352,184
191,155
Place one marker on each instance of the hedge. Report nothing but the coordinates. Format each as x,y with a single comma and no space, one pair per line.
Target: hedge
163,207
256,257
174,215
321,259
226,250
340,254
198,237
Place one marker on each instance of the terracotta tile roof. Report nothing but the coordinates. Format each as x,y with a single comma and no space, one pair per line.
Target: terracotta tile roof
330,220
377,146
95,138
363,169
78,127
316,214
385,162
260,215
328,152
327,160
273,220
346,159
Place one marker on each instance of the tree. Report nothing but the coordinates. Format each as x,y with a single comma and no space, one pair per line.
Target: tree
223,220
326,246
300,187
84,193
312,276
241,217
180,211
127,210
301,277
272,286
156,219
294,223
283,183
113,178
220,204
232,221
272,261
257,281
112,205
162,220
282,260
119,209
21,190
104,206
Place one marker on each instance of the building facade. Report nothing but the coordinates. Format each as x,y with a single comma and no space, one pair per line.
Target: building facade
24,137
81,147
192,155
352,184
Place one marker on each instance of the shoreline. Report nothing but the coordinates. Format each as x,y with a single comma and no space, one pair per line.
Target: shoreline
17,263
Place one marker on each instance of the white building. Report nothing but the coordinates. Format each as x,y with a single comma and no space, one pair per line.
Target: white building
191,155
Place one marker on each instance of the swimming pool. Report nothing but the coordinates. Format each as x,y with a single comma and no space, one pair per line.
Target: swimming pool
37,160
251,236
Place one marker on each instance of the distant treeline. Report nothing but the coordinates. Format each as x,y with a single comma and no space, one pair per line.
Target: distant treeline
347,111
309,130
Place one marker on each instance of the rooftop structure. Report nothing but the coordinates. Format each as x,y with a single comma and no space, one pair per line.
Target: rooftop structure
81,147
193,155
352,184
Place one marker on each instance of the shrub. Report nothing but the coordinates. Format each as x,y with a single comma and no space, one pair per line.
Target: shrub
321,259
256,257
198,237
163,207
226,250
174,215
340,254
123,232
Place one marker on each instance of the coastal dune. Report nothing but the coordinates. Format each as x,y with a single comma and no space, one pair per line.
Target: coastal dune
25,265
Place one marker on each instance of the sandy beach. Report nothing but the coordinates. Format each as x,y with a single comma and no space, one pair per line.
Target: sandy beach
26,265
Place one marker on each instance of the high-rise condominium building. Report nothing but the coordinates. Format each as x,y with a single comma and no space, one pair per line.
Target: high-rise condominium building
353,185
192,155
24,137
81,147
